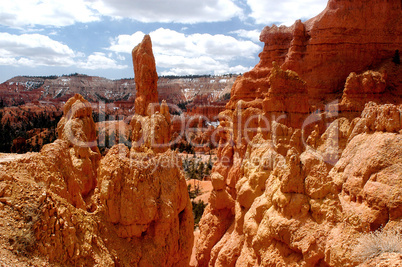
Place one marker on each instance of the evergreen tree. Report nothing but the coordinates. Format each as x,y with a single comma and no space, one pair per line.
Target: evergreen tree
396,59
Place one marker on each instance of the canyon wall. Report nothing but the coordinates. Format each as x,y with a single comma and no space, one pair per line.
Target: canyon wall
309,158
348,36
55,90
76,208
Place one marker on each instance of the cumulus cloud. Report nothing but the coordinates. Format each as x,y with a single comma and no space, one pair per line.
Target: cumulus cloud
191,53
179,11
34,50
285,11
99,60
49,13
253,35
63,13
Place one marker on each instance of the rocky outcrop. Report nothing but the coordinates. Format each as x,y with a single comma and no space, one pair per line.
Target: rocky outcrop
284,191
151,123
128,208
77,128
324,50
145,198
302,175
146,78
151,132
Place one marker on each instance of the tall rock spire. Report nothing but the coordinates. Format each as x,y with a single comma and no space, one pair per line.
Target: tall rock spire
146,78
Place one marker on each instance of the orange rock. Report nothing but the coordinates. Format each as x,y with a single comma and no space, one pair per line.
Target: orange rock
151,132
146,78
78,129
128,208
325,49
309,185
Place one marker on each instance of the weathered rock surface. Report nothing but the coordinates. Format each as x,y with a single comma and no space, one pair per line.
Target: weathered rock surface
298,182
129,209
146,78
294,207
327,48
145,197
151,123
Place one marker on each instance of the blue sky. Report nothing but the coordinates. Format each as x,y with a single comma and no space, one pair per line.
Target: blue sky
95,37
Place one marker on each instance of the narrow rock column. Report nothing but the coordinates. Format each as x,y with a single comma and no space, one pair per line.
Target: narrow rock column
146,78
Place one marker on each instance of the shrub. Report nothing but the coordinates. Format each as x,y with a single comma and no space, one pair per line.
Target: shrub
198,210
396,59
373,244
226,96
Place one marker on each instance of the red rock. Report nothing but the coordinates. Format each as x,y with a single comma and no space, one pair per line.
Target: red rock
306,189
146,78
324,50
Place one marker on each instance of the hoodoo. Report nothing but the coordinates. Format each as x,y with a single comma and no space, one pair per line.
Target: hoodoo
146,78
309,160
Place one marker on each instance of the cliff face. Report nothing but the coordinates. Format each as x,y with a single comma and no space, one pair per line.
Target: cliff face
129,208
285,204
122,92
308,167
324,50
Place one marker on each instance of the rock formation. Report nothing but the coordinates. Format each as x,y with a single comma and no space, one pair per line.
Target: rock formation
324,50
151,123
129,208
262,210
301,178
146,78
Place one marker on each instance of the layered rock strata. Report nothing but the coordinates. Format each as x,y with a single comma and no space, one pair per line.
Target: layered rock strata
307,166
324,50
129,208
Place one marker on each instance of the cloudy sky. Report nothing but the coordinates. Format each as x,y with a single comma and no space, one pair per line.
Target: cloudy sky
95,37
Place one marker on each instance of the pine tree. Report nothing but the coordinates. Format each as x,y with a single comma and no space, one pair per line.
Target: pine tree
396,59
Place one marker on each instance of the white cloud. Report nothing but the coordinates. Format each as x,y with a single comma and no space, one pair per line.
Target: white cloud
34,50
191,53
284,11
20,13
178,11
125,43
59,13
100,61
253,35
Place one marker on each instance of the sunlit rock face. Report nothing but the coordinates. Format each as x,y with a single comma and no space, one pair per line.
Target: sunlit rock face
324,50
309,156
129,208
146,78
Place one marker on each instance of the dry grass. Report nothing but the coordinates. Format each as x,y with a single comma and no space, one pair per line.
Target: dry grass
373,244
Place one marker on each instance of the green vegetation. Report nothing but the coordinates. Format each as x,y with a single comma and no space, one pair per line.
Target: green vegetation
50,77
196,169
183,105
9,132
198,206
396,59
183,147
226,96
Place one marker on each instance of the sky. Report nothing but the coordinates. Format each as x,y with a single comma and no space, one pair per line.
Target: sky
95,37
